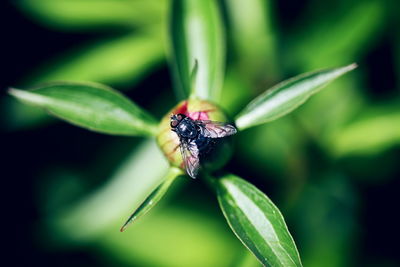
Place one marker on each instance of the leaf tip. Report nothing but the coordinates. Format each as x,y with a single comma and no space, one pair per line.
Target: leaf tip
126,224
18,93
351,66
13,91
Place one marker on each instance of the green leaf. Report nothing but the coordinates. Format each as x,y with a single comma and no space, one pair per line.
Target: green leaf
154,197
286,96
373,133
253,20
197,35
86,14
92,106
118,61
257,222
340,104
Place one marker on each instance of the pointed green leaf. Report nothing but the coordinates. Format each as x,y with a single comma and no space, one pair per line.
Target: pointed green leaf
286,96
197,35
154,197
117,62
257,222
92,106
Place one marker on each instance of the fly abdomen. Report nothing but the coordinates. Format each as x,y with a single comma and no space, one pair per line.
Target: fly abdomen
204,144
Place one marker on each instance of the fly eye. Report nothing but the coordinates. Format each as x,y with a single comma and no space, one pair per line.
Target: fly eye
174,123
179,117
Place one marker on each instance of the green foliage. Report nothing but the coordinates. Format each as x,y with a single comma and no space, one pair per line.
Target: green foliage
197,48
116,61
197,53
252,20
82,14
310,50
92,106
371,134
257,222
286,96
307,156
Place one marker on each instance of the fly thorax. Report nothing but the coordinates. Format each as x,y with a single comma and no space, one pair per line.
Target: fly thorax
187,129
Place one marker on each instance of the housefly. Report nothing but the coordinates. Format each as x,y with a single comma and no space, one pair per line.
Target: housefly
197,138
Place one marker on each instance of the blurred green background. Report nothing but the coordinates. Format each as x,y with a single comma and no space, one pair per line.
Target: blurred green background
332,166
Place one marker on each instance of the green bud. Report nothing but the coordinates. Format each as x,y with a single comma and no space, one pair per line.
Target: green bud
168,140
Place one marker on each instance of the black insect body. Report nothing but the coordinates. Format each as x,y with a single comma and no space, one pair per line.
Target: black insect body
197,138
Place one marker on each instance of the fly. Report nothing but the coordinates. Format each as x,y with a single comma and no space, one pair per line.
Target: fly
197,138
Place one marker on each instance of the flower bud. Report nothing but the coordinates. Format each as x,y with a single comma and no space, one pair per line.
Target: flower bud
169,142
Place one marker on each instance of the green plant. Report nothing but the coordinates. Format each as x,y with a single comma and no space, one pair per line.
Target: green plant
198,68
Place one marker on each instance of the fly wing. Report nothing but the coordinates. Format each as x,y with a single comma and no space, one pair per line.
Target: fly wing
215,129
190,155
